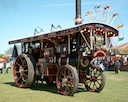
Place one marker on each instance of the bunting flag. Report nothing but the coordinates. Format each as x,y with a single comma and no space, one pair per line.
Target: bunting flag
120,26
88,13
96,7
116,14
106,7
120,39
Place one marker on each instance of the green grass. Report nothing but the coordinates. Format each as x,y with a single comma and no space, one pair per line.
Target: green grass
115,90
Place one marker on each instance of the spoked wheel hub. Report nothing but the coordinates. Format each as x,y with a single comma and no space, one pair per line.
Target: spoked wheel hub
21,70
93,79
64,80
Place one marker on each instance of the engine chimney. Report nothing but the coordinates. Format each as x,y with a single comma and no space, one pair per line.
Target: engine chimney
78,19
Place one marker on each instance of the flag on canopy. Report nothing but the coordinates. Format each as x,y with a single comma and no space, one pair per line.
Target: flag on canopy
116,14
96,7
120,39
106,7
120,26
88,13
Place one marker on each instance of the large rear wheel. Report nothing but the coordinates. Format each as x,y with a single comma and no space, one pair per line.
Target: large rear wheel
67,80
24,71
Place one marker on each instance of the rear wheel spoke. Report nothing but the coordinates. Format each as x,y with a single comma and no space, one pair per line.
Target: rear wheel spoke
20,78
25,75
18,64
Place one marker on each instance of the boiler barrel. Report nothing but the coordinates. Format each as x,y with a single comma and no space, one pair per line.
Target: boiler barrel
67,60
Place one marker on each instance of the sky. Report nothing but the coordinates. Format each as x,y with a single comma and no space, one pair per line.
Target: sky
19,18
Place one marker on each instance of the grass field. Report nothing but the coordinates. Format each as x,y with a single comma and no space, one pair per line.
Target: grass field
115,90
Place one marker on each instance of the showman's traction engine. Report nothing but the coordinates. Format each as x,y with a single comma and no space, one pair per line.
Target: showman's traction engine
63,57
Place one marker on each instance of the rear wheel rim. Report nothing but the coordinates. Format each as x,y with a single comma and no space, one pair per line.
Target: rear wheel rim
23,71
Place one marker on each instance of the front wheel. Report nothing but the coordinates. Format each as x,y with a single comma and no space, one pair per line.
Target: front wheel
95,80
67,80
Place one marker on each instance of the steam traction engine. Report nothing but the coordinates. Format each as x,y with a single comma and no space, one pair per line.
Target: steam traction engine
64,56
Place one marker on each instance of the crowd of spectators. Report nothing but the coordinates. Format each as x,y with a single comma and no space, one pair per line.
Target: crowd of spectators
4,65
115,61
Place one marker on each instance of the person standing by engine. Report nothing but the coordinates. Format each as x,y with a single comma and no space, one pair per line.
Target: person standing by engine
117,66
1,68
106,64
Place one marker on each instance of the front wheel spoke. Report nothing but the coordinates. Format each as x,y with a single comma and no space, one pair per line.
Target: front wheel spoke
88,82
94,85
98,75
99,79
98,84
95,72
88,78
